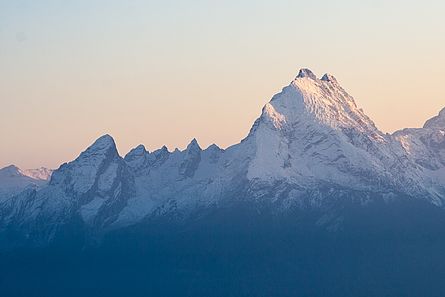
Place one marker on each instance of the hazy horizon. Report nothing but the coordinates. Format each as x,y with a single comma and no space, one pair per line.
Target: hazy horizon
165,73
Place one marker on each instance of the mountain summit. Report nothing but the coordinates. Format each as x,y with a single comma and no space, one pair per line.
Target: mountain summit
13,180
311,148
436,122
313,131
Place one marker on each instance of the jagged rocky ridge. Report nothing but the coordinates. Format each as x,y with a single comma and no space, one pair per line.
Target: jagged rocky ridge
312,147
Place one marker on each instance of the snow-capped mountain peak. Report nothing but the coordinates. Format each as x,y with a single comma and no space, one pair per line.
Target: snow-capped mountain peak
329,78
305,72
437,121
213,147
193,145
314,129
40,173
323,100
426,146
135,153
10,171
80,175
191,160
13,180
104,147
102,144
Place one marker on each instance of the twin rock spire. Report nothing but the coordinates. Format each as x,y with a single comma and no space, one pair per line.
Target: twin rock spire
305,72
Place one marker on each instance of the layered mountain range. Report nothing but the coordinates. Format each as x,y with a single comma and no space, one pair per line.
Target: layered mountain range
311,148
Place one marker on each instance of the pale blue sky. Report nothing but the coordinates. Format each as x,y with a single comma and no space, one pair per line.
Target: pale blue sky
163,72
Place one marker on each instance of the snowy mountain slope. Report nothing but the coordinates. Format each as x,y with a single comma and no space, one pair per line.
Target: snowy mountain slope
313,130
311,147
40,173
93,187
173,179
426,147
13,180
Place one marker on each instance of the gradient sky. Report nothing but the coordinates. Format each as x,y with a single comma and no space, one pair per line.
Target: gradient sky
163,72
